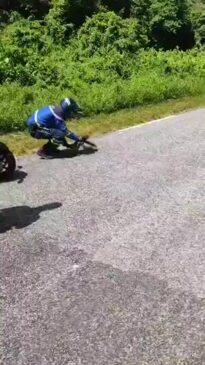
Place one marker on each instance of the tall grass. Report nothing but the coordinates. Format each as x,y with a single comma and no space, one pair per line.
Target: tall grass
18,102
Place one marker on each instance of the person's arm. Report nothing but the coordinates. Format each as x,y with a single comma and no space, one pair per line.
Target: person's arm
69,134
73,136
62,126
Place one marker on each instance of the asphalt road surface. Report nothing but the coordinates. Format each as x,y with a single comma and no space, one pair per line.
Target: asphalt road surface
102,256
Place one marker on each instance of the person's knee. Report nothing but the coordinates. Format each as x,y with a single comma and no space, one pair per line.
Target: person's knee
59,134
58,137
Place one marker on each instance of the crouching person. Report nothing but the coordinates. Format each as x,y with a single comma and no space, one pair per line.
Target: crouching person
49,123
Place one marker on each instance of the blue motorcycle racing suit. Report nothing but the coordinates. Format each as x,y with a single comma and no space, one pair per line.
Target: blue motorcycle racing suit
48,123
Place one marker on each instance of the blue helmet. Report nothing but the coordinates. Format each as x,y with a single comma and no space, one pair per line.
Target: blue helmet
70,108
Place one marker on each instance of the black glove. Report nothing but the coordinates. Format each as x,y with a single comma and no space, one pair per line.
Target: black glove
84,138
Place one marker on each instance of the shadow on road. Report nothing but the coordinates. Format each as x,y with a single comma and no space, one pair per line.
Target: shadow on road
18,175
129,315
71,153
22,216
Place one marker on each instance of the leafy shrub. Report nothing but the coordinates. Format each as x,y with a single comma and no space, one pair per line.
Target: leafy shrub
170,25
105,32
57,26
198,22
106,64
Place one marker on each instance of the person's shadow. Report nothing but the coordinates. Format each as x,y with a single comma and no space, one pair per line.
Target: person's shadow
22,216
71,153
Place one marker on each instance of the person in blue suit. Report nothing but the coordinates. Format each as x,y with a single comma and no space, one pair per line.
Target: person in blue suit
49,123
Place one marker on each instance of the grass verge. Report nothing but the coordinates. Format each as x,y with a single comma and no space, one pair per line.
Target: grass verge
21,143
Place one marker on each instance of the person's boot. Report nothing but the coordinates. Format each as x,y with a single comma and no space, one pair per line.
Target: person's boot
47,151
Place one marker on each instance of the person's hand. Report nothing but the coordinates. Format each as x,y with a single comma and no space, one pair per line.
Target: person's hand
84,138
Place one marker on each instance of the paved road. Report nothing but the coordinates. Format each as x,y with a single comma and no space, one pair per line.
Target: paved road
103,256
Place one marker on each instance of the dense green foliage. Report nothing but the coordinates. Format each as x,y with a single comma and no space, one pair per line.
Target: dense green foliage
108,54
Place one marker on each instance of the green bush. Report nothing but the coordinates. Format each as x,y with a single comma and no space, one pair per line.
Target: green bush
105,64
105,32
169,23
56,21
22,44
198,22
152,86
